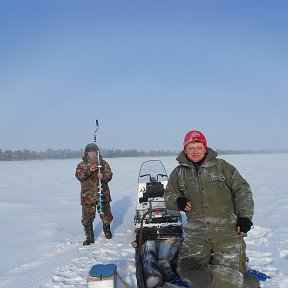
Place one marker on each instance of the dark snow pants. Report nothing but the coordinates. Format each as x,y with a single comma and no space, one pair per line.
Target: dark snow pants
213,264
89,212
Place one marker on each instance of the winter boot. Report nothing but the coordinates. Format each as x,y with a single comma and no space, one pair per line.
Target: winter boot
89,235
107,231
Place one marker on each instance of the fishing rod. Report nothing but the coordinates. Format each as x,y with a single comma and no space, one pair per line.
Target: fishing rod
100,190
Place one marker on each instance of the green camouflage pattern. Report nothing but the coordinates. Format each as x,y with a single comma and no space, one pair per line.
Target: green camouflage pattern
89,212
90,191
89,182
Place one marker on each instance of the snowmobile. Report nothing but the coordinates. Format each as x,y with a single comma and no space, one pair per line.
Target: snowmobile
158,231
157,222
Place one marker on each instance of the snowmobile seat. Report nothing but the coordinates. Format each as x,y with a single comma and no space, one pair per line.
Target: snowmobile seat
154,189
160,233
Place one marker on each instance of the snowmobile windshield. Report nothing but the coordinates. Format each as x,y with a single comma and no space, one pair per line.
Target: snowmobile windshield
152,171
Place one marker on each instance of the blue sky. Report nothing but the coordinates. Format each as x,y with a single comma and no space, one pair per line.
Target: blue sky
149,71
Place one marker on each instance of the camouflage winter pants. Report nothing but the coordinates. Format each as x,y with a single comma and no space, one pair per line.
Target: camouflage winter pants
89,212
218,264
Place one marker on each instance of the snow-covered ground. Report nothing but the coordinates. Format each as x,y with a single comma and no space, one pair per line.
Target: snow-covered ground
41,234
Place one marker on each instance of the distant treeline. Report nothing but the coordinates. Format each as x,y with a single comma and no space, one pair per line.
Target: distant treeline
26,154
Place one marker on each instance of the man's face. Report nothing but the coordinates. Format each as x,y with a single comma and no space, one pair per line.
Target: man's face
195,151
92,155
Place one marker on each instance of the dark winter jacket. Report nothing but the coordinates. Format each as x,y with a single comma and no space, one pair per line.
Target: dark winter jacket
89,181
218,193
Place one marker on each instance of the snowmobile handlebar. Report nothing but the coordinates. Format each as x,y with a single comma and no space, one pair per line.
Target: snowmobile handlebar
153,179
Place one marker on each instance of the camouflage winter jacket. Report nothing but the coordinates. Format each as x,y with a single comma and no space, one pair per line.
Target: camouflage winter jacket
218,193
89,181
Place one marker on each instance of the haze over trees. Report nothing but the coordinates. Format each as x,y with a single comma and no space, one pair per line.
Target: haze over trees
25,154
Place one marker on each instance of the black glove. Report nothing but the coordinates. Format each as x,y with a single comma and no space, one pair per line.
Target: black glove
245,224
181,203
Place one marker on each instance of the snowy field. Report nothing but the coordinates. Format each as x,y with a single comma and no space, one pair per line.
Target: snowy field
41,234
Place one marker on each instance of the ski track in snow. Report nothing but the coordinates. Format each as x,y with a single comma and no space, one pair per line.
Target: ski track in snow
69,264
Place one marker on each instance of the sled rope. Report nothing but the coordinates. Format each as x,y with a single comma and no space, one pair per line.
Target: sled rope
124,283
